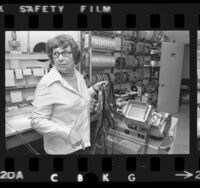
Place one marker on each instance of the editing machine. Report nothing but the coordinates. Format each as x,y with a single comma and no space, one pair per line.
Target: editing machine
141,130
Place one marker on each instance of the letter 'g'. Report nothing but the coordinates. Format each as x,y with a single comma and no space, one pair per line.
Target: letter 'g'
131,177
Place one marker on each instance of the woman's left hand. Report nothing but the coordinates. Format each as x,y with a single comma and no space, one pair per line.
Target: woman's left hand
98,85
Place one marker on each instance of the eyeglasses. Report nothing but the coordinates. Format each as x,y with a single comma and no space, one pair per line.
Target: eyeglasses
64,54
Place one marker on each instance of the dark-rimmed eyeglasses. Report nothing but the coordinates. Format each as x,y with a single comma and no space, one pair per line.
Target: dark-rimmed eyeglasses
64,54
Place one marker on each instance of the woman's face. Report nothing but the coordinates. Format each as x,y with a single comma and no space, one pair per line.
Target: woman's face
63,59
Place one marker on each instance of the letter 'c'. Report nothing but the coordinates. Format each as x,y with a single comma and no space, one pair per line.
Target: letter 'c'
53,179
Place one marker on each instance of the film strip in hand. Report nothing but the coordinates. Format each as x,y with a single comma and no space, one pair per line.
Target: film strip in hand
139,65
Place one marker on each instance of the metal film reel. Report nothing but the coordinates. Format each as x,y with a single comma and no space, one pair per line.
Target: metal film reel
112,77
131,77
128,34
129,47
120,61
143,48
102,60
158,35
104,43
154,36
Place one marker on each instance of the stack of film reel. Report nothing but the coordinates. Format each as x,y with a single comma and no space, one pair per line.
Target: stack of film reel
102,60
107,33
102,46
131,61
126,62
102,77
144,60
141,44
136,48
153,36
104,43
117,77
128,77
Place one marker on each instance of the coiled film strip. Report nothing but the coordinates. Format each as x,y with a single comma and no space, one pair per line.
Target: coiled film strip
104,168
102,60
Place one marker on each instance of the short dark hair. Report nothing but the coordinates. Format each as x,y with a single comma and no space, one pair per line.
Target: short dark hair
63,41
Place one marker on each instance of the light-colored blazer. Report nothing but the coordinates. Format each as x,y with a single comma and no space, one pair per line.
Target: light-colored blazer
57,107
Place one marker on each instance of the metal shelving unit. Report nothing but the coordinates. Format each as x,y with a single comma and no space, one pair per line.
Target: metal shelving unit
87,52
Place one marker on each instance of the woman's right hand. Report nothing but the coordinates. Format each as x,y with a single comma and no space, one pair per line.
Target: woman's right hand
93,105
76,139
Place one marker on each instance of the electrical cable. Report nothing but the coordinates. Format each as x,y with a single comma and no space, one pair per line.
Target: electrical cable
106,119
113,110
23,141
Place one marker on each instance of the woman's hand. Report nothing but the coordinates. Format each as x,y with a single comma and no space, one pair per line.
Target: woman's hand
98,85
93,105
76,139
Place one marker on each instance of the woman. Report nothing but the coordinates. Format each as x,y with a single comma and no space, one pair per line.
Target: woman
61,106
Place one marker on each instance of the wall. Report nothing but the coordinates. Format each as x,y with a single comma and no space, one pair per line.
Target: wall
36,37
178,36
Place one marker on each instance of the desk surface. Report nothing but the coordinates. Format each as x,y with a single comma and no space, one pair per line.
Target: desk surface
18,120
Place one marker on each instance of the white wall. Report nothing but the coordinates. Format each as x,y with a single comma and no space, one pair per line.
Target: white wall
36,37
178,36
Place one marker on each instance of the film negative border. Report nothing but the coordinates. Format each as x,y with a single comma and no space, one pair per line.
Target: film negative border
99,167
127,16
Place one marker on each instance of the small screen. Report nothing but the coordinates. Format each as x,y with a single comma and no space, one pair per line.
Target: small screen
137,112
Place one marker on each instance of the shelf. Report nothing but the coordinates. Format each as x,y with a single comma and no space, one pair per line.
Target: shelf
100,50
127,94
95,33
22,56
128,67
96,68
145,66
127,82
20,105
111,35
155,52
21,87
149,66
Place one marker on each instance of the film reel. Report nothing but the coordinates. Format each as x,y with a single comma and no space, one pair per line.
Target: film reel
144,60
127,62
108,33
151,36
99,60
129,47
104,43
143,48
